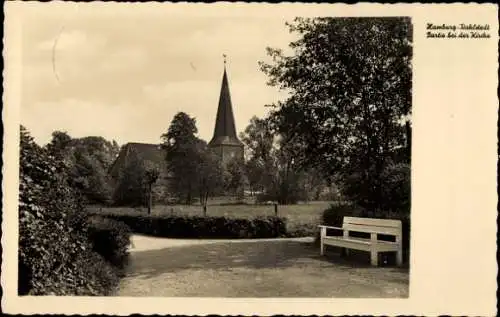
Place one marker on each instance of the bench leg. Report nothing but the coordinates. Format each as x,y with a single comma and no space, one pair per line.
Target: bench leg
321,236
374,258
399,258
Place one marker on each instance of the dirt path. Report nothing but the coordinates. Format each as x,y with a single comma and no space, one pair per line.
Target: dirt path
252,268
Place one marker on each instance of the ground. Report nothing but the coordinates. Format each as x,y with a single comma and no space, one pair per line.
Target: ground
252,268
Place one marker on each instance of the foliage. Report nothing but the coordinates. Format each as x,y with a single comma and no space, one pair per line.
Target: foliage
396,188
175,226
182,147
235,178
55,255
209,171
111,240
334,215
272,165
350,90
88,160
131,188
195,169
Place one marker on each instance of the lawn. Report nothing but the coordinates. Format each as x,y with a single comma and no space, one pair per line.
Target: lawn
300,216
256,268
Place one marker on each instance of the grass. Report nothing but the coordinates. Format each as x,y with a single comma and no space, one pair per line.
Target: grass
280,268
302,218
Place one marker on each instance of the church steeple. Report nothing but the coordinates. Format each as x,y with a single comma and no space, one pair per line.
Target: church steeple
225,128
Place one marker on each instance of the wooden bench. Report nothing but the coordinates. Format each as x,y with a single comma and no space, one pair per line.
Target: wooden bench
373,245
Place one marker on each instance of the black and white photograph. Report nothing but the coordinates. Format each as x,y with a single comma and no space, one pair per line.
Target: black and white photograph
215,154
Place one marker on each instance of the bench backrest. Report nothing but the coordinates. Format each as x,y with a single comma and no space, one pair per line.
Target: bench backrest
380,226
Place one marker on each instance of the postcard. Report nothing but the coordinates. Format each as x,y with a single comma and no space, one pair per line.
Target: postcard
249,158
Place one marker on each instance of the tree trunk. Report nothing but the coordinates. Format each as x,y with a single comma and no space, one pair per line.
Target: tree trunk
150,202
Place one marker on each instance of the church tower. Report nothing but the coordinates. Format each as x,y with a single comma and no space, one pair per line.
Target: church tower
225,142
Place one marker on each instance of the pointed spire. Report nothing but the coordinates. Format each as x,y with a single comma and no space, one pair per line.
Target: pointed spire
225,129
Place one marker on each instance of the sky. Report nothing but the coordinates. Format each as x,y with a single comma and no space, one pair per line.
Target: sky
124,73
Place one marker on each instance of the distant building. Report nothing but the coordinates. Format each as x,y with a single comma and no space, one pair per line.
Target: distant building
147,155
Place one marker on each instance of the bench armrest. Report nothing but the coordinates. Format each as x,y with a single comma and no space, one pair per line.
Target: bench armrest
330,227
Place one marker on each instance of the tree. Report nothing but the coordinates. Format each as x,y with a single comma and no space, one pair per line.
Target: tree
132,184
151,176
59,144
88,160
271,163
182,148
209,175
234,177
349,81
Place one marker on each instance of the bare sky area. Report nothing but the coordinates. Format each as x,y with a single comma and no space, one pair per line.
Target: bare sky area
123,72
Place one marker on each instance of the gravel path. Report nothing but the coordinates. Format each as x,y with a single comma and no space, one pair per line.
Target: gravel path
252,268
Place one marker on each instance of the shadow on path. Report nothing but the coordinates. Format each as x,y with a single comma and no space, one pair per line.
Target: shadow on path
251,255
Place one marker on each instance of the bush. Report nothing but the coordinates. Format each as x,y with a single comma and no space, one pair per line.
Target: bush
174,226
386,191
111,240
334,215
396,188
55,254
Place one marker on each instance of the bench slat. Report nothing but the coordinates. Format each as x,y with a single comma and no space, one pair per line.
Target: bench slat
372,229
373,222
331,227
360,244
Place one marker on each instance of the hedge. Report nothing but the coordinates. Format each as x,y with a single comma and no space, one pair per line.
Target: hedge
55,255
110,239
174,226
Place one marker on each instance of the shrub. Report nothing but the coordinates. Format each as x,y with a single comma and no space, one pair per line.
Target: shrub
55,255
110,239
334,215
396,188
174,226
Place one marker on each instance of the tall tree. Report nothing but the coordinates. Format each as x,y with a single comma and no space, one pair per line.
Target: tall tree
182,148
209,175
349,81
271,162
235,178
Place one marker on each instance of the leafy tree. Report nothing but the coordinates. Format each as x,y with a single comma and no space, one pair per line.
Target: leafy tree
349,81
88,160
235,178
271,163
59,144
209,175
132,184
182,148
259,142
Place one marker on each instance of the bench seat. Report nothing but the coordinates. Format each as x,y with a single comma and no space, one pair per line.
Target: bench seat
373,245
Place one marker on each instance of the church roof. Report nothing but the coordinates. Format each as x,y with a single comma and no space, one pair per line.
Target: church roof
225,128
141,151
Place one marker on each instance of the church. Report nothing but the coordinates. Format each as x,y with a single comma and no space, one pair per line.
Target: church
224,142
